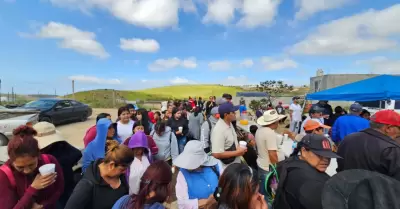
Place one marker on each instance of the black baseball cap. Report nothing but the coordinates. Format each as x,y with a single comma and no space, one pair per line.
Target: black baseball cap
319,145
316,109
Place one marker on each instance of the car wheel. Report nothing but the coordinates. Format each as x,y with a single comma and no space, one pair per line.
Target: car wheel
46,119
84,117
3,140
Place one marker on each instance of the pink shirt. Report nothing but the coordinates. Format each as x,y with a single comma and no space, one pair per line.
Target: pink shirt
90,135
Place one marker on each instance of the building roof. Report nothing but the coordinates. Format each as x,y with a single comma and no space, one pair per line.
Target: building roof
251,94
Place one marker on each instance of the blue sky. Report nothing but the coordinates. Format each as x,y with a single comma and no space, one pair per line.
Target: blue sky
148,43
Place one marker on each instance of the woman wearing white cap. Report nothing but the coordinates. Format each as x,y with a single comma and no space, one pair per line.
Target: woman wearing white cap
197,178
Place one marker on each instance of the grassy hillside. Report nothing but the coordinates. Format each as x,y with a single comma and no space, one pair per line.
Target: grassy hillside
104,97
184,91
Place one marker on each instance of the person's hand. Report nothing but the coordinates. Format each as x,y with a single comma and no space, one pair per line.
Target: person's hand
252,142
37,206
41,182
260,202
207,203
240,150
290,134
178,133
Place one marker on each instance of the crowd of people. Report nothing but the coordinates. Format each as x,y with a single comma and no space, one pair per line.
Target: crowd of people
195,148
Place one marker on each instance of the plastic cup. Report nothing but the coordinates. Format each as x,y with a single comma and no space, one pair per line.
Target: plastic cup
47,169
285,136
243,144
180,128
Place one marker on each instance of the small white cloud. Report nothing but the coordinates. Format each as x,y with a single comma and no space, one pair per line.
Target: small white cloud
247,63
269,63
382,65
258,13
235,81
93,79
73,38
171,63
145,13
219,65
139,45
307,8
181,80
365,32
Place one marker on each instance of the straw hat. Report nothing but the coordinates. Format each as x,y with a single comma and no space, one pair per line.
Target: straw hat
269,117
47,134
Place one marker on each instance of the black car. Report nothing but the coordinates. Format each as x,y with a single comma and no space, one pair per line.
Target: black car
58,111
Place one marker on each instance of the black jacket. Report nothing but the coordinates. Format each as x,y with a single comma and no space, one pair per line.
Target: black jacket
208,106
92,192
175,124
370,150
300,185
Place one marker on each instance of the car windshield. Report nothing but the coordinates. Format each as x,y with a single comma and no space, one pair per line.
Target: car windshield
40,104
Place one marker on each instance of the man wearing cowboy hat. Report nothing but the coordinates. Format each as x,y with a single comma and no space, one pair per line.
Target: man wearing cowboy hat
266,143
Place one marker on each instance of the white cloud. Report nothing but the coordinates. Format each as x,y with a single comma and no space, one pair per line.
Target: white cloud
181,80
72,38
219,65
247,63
93,79
145,13
254,13
167,64
258,13
365,32
307,8
139,45
235,81
269,63
382,65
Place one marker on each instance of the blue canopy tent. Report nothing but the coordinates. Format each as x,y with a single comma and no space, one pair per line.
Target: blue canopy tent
383,87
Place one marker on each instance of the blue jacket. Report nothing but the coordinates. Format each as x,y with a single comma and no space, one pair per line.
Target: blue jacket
201,184
122,203
96,149
348,124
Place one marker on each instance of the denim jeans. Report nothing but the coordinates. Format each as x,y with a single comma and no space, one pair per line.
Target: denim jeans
262,174
181,144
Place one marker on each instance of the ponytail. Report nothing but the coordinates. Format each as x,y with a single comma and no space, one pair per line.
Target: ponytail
297,150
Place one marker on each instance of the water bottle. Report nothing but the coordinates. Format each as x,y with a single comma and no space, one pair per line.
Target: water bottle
333,145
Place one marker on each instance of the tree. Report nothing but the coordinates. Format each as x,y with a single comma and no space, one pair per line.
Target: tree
274,88
254,105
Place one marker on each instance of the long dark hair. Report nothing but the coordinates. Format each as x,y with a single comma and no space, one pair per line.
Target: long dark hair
160,128
196,111
145,120
157,179
237,186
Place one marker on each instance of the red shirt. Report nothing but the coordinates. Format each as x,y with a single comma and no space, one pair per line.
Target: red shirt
23,195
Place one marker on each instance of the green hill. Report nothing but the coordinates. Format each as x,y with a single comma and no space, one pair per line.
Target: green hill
104,97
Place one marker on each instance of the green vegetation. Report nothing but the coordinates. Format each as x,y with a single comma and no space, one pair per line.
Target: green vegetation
105,97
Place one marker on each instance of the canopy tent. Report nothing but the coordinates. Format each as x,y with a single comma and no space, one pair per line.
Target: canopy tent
383,87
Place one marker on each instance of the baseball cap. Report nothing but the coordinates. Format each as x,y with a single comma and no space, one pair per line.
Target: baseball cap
221,101
319,145
388,117
227,108
316,109
312,125
356,107
214,111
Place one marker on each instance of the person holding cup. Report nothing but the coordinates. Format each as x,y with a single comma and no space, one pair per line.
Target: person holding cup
29,179
179,125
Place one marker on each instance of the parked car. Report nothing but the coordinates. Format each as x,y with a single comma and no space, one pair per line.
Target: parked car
58,111
11,119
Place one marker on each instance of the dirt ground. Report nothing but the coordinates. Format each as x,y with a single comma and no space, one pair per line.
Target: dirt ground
74,133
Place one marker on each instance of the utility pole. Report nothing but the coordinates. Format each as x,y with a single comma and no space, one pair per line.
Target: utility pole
55,92
73,89
12,94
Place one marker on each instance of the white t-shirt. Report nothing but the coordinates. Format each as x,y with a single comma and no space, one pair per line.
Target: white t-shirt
125,130
266,140
136,172
296,108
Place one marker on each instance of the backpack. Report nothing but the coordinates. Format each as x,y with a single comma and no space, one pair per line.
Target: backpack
271,183
7,170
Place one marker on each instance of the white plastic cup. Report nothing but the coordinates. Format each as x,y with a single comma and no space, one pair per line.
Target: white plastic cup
243,144
285,137
47,169
180,128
